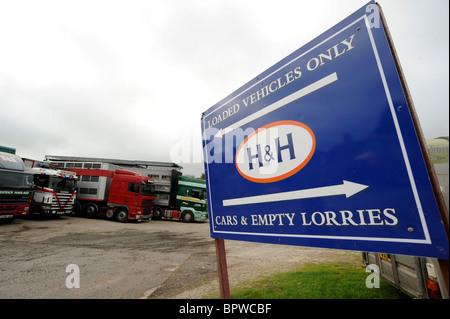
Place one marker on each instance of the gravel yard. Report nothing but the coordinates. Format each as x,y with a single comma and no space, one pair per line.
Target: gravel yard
151,259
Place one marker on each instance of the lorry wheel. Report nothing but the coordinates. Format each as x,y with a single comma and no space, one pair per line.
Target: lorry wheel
122,215
91,210
157,213
109,214
187,217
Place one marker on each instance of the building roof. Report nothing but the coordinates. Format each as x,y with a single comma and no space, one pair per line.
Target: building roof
135,163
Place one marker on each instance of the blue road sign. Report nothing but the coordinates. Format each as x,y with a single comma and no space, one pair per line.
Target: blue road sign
320,150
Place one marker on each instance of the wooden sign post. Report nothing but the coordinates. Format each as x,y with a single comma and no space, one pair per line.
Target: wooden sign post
222,268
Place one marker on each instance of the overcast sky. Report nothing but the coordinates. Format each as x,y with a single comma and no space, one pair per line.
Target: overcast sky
130,79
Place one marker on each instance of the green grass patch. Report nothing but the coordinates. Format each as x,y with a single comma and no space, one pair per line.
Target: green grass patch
324,281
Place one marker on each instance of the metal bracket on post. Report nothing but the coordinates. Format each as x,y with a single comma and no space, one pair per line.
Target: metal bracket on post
222,268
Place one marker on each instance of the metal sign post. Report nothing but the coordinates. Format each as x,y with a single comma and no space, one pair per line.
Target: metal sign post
324,149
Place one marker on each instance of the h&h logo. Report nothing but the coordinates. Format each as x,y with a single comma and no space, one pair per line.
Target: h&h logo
275,151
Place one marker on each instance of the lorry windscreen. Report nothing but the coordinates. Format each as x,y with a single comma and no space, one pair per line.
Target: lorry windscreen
147,189
58,184
198,193
69,185
15,180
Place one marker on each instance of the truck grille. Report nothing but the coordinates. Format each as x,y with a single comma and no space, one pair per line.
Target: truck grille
147,204
63,203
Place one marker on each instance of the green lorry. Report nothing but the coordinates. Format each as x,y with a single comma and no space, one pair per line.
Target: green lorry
185,200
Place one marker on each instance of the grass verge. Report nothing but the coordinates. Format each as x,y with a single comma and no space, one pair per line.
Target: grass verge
324,281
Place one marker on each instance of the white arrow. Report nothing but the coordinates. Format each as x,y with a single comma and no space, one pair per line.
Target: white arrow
346,188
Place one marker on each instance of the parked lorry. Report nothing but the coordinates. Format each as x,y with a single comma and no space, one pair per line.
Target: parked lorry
176,196
418,277
106,190
185,200
54,191
16,187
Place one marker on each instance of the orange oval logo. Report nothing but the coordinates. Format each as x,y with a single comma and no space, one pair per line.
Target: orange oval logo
275,151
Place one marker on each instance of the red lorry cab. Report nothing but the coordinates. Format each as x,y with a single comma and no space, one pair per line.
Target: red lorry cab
131,193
